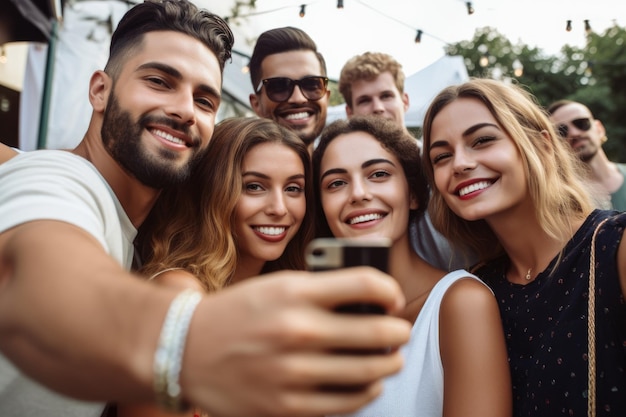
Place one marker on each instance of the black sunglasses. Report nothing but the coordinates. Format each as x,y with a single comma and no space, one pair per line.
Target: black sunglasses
583,124
279,89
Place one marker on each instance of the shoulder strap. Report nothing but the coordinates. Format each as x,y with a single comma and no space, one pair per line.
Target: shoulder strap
591,326
161,272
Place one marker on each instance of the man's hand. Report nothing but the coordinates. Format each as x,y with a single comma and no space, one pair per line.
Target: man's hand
270,345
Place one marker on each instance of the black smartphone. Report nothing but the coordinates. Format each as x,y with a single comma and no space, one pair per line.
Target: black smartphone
325,254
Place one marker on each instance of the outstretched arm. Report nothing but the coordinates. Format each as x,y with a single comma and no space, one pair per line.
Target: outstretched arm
72,319
476,372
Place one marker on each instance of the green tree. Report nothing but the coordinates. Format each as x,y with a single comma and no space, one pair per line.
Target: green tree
490,54
335,95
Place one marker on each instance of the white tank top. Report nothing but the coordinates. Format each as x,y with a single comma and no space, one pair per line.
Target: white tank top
417,390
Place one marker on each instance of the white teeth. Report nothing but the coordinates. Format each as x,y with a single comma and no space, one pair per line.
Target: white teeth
365,218
297,116
168,137
271,231
474,187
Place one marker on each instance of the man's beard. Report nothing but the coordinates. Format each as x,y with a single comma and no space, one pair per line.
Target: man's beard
319,126
307,137
587,154
122,139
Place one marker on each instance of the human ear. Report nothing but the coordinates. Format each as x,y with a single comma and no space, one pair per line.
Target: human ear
600,128
99,90
547,142
254,103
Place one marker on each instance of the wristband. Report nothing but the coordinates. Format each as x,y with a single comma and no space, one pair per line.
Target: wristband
168,357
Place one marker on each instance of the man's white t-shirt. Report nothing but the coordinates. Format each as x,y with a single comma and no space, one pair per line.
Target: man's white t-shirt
58,185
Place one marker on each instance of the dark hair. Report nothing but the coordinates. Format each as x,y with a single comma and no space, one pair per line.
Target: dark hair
275,41
395,140
169,15
557,105
552,108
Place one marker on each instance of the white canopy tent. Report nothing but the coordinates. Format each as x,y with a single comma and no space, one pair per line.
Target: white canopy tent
421,87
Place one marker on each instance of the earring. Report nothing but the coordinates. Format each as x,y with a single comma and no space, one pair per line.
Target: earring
603,139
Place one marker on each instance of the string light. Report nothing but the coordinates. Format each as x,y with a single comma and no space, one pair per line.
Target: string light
418,37
484,60
589,69
340,5
518,68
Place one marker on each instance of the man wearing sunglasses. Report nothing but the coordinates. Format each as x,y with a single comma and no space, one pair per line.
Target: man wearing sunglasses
576,124
289,81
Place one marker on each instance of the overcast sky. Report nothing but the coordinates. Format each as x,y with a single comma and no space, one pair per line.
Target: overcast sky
391,25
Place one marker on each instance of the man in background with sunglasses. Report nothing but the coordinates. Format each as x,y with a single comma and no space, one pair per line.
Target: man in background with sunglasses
289,81
575,123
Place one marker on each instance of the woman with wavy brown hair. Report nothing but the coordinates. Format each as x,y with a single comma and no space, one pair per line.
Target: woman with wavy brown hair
194,228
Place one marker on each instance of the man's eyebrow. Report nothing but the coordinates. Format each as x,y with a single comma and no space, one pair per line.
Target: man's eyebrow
168,69
173,72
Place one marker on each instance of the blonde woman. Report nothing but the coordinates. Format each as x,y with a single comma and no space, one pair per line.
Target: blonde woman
506,186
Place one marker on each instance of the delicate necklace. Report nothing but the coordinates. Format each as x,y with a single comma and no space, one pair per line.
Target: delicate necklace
528,274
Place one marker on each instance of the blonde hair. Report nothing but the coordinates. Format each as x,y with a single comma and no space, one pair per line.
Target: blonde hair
192,227
554,173
368,66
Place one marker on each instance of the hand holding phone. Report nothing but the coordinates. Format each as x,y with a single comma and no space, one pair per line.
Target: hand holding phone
332,253
325,254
